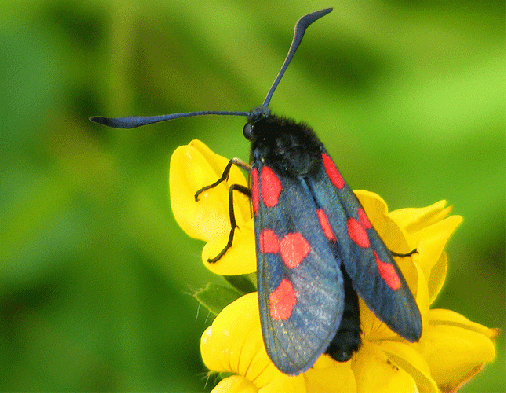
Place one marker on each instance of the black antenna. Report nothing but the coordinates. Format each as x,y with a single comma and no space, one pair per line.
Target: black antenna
137,121
298,33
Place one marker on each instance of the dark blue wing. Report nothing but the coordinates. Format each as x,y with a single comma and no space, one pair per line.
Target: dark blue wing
368,262
300,284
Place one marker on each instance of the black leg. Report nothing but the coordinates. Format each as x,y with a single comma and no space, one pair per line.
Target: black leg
234,187
395,254
244,190
224,175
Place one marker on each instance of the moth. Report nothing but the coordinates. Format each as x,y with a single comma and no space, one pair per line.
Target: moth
316,249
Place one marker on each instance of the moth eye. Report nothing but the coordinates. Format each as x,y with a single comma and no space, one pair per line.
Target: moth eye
247,131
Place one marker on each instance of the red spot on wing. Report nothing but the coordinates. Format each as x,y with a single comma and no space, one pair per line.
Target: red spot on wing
357,233
364,219
282,300
269,242
324,223
332,171
271,187
254,190
388,273
293,248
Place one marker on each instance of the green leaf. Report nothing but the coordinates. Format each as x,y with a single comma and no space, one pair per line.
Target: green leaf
245,283
215,297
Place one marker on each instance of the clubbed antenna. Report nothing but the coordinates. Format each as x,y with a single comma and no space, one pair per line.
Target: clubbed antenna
137,121
298,33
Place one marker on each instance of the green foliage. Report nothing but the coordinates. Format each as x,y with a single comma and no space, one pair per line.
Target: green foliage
216,297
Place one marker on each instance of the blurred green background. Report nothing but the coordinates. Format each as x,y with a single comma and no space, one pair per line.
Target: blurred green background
95,275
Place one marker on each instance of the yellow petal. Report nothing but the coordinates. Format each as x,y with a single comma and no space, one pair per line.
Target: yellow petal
285,384
406,357
235,384
415,219
193,167
439,316
432,241
429,230
456,349
218,163
375,373
327,375
239,259
422,298
437,277
233,343
372,328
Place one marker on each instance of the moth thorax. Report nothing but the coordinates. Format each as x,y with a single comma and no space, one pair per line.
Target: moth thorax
297,160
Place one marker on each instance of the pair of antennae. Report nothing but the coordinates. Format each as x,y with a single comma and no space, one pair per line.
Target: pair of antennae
137,121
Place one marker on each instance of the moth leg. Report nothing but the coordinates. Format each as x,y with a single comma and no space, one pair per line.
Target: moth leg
224,176
405,255
244,190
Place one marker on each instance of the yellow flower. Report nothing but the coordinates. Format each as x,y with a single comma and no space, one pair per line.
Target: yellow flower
452,349
195,166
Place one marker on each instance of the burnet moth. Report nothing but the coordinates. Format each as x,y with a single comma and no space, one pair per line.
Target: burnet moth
316,249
